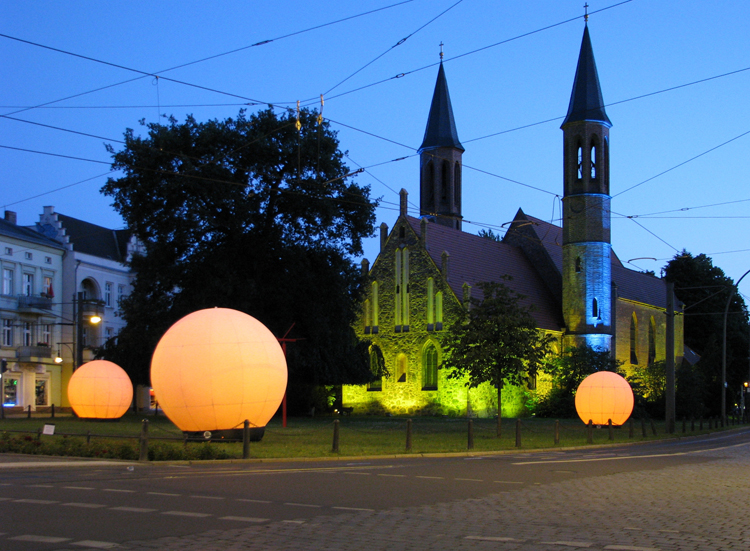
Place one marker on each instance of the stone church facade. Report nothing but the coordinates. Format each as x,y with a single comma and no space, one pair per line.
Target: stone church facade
428,269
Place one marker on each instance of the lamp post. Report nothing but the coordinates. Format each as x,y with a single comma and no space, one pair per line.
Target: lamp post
724,351
94,319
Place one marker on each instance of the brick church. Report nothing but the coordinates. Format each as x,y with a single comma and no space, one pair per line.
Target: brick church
428,267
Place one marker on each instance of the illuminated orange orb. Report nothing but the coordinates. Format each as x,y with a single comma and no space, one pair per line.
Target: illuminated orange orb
603,396
100,390
215,368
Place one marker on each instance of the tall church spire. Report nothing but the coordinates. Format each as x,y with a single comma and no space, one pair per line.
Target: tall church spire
586,103
440,160
587,268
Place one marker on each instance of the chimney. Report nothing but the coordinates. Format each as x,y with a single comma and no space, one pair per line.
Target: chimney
11,217
404,200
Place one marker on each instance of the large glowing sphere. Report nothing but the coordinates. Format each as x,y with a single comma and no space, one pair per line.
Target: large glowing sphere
215,368
603,396
100,390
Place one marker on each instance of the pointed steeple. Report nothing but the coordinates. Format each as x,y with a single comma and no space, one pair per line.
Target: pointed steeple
586,103
441,127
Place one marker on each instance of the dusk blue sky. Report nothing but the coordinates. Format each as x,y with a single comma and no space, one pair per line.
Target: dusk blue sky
641,47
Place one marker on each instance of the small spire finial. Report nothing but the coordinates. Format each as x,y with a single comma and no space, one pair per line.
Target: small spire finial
586,13
441,50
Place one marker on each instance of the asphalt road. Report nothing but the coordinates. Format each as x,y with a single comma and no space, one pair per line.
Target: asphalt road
53,504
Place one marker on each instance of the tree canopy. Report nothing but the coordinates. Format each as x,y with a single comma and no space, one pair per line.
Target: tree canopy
496,341
704,290
247,213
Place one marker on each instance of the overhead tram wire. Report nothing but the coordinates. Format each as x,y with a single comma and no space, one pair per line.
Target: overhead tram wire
399,43
156,73
58,189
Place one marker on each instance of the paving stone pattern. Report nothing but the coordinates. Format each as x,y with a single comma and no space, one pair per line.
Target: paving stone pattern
692,507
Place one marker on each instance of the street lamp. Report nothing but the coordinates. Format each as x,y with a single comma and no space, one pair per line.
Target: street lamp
94,318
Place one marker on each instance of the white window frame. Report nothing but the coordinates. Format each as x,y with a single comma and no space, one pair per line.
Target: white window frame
108,285
27,333
7,339
28,284
8,281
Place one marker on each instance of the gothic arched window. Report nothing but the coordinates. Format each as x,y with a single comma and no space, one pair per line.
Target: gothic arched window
457,185
401,368
376,369
634,340
592,159
651,341
430,368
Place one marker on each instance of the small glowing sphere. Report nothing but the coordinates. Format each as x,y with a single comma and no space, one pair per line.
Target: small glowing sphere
215,368
603,396
100,390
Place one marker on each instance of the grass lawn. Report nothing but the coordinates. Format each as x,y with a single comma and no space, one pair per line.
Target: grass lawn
306,437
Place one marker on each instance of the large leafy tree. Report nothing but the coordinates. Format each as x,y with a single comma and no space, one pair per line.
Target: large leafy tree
249,213
496,341
704,289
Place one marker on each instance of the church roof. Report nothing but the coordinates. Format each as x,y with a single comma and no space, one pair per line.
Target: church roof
474,259
441,127
586,103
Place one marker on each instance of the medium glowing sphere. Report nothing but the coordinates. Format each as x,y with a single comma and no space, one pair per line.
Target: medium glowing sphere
100,390
603,396
215,368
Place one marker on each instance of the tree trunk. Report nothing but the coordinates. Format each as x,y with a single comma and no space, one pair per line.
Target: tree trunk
499,410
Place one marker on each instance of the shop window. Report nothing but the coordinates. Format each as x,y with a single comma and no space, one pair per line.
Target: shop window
10,391
41,392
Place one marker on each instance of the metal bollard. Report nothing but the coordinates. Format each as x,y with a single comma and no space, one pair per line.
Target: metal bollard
246,440
52,411
29,412
518,433
143,455
335,448
470,443
408,435
611,429
557,431
88,437
590,432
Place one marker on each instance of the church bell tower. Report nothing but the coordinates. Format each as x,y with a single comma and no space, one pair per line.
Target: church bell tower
440,160
587,268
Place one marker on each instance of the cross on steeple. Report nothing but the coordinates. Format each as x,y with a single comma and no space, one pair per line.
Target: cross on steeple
586,14
441,50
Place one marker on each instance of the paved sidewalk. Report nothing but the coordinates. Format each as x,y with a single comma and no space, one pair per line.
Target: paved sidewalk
701,506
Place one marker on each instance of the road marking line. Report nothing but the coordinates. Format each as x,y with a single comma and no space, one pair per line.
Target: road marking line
39,486
133,509
394,475
86,505
294,521
185,514
95,544
433,477
208,497
568,543
162,494
630,548
37,501
365,474
48,464
5,498
39,539
352,509
507,482
303,505
469,479
253,500
492,538
245,519
78,488
118,490
670,531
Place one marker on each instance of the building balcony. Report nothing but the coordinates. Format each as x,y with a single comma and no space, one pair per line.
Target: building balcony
34,302
29,353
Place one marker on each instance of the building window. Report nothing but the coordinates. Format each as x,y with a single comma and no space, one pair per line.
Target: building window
430,368
7,332
401,368
595,309
402,289
26,333
634,340
28,256
438,311
46,333
48,260
108,294
457,185
41,394
120,294
578,265
580,162
430,304
374,306
48,291
592,153
651,341
28,284
375,367
8,281
368,315
9,251
10,391
108,333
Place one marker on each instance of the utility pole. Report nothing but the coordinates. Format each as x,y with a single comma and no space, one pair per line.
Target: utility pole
669,361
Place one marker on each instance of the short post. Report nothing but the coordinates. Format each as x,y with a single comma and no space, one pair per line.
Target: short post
518,432
28,415
143,456
643,427
88,437
653,427
611,429
408,435
52,412
684,425
590,432
335,448
246,440
557,431
470,443
630,428
38,434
